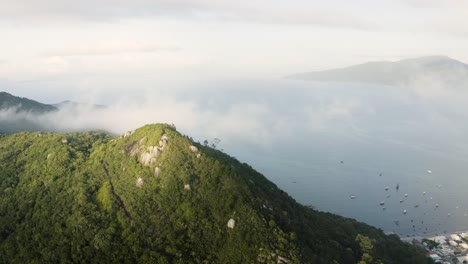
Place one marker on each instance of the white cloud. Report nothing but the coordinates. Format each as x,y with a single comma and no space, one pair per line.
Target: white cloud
259,11
111,46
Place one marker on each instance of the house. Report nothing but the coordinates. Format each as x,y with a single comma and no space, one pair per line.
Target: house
453,243
438,239
435,257
463,259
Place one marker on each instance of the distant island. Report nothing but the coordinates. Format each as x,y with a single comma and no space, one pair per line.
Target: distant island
399,73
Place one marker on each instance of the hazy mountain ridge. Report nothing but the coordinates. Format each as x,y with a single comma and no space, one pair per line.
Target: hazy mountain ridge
399,73
154,195
21,104
19,114
22,114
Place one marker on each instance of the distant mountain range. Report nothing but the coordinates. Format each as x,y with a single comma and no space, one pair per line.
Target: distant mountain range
401,73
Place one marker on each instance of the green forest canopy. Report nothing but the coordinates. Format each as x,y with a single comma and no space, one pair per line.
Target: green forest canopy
155,196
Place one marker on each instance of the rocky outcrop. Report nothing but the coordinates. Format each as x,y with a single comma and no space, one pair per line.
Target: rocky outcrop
164,140
139,182
135,147
231,223
157,172
149,157
127,134
193,148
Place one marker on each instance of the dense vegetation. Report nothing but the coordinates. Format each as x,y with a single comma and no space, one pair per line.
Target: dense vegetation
154,196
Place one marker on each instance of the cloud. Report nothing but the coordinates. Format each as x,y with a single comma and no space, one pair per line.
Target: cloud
256,11
111,47
232,114
287,117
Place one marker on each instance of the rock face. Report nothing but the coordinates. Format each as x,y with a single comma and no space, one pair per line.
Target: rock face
135,148
149,157
164,140
231,223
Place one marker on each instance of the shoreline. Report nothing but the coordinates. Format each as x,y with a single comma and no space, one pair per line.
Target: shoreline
409,239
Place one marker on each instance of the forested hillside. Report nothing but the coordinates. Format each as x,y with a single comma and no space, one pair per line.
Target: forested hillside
155,196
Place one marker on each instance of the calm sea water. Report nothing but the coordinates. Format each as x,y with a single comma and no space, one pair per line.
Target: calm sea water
339,140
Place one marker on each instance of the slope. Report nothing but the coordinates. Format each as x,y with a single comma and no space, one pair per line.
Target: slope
155,196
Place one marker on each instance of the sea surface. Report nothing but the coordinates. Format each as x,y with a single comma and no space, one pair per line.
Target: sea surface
338,147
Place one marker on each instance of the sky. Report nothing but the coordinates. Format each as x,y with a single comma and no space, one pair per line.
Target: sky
54,50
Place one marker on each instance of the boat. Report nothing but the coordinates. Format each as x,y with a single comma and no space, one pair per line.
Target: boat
382,203
352,196
404,212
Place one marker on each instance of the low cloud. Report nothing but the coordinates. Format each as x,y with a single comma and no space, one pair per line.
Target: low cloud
277,114
254,117
112,47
